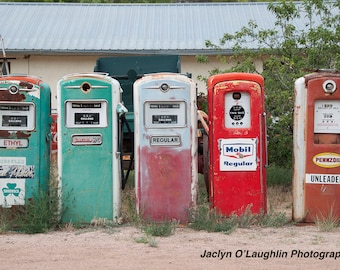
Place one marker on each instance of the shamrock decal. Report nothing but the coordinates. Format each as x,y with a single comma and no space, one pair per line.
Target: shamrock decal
11,189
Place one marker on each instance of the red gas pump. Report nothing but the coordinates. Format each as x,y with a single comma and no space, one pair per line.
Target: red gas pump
237,143
316,170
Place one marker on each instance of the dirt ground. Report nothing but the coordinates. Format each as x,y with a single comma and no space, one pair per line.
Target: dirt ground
289,247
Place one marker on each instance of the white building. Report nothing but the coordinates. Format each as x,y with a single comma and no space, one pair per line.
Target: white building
51,40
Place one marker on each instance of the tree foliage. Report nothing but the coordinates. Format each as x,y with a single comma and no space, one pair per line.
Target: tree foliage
287,53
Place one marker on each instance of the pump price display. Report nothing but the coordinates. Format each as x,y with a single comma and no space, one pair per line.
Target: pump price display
86,119
83,114
327,116
14,121
17,116
160,114
164,119
237,112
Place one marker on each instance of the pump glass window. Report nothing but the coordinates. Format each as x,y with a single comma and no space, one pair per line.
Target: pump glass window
237,108
165,114
327,122
84,114
17,116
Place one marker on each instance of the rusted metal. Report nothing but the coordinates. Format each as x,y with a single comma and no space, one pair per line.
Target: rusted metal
316,162
6,95
24,139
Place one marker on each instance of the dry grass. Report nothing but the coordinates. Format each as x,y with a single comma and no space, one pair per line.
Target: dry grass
328,222
280,199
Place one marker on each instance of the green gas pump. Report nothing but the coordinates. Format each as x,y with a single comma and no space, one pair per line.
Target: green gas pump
89,158
25,119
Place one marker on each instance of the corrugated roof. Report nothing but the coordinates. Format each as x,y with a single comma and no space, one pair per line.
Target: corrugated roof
125,28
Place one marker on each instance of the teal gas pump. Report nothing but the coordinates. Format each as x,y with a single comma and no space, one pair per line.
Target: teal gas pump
89,158
25,119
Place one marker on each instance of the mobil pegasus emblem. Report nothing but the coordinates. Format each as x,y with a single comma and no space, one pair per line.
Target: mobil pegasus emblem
238,154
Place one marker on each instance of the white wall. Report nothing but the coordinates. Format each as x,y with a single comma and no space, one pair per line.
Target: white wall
52,68
190,65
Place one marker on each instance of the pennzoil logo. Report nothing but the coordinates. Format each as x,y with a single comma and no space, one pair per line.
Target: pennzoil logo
327,160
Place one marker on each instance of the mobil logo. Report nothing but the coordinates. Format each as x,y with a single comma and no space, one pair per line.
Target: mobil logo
238,150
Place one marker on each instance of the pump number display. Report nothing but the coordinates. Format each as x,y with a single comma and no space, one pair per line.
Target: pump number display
164,114
87,113
86,118
17,116
326,116
164,119
236,112
14,121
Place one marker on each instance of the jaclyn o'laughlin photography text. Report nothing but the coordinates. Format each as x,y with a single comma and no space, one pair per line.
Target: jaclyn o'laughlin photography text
272,254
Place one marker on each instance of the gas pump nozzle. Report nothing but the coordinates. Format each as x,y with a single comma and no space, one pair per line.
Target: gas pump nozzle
121,109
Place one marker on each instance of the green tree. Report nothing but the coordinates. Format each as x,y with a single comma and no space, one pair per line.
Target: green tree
287,53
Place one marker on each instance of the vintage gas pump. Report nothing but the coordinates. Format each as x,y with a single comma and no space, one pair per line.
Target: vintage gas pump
237,143
316,170
88,159
25,119
165,146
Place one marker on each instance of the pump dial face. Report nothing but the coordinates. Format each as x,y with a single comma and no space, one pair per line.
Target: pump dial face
236,112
